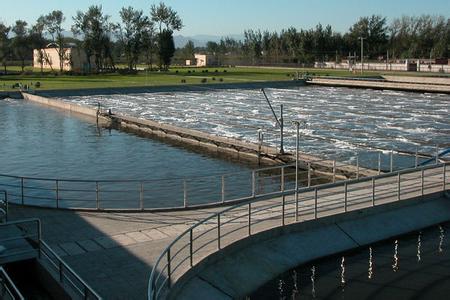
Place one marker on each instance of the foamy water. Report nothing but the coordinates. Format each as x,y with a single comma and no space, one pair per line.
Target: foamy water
340,121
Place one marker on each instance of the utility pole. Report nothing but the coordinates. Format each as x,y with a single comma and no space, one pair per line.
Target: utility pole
362,53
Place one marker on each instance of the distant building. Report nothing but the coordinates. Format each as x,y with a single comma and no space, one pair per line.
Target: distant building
74,59
205,60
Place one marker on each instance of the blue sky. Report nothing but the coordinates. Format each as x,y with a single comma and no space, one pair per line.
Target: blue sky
222,17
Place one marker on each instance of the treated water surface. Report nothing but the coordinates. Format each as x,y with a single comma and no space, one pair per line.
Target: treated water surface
415,266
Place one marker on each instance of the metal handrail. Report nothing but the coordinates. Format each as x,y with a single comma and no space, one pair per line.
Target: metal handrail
180,193
4,206
64,271
401,185
9,286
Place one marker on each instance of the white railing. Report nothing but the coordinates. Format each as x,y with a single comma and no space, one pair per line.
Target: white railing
245,219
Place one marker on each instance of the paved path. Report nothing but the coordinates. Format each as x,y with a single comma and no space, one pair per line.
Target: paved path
115,252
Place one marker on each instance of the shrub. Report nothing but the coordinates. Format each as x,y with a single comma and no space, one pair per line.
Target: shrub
204,80
225,71
176,71
183,80
189,71
220,79
214,78
37,84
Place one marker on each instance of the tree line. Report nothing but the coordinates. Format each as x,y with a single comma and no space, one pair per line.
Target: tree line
148,39
138,37
406,37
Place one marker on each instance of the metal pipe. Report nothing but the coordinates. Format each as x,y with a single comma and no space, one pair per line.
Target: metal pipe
21,187
357,166
379,163
443,176
249,219
373,191
218,231
437,154
253,184
334,170
97,199
315,203
282,210
398,182
191,258
391,167
416,160
422,173
141,196
309,174
281,130
57,193
345,196
282,179
169,273
185,204
297,144
223,188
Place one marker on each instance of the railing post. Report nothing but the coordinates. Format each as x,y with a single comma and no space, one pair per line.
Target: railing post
443,176
218,231
379,163
141,196
315,203
250,219
422,181
282,179
391,161
373,191
345,196
60,270
97,199
253,184
223,188
282,210
437,154
185,204
309,174
191,246
334,170
416,158
398,183
169,275
357,166
57,193
21,187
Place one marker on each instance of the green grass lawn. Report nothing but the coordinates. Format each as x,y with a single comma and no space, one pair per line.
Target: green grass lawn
175,76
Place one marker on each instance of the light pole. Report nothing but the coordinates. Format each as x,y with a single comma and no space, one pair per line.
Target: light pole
297,125
362,52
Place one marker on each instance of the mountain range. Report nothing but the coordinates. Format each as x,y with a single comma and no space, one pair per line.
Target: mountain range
200,40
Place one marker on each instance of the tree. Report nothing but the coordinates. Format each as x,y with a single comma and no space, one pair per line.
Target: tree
149,43
96,29
189,51
164,15
53,23
134,22
253,44
20,42
4,44
38,41
166,48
